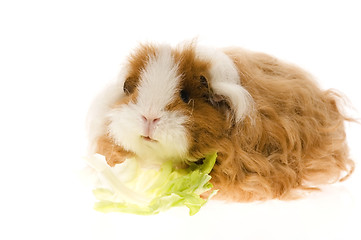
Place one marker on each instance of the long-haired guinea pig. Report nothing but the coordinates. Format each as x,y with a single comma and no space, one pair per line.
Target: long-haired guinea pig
273,128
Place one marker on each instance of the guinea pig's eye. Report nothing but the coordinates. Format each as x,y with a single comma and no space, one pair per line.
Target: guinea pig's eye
128,86
125,89
184,96
203,81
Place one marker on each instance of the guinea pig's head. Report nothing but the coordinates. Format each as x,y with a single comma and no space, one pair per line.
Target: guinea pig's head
176,104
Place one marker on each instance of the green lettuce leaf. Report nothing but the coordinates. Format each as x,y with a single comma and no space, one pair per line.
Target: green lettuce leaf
129,188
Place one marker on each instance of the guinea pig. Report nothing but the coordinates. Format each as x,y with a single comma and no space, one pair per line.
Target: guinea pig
274,130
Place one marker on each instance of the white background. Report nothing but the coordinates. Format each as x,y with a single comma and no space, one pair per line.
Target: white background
56,55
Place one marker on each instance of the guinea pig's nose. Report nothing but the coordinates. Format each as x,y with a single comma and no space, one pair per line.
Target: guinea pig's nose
149,126
150,120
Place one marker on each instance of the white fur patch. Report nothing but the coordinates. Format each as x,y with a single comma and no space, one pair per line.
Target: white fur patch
126,128
158,85
225,81
96,117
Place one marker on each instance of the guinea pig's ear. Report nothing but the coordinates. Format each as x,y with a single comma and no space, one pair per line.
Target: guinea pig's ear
225,81
238,97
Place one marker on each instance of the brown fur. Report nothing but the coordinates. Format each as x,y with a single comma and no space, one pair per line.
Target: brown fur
207,123
294,139
113,153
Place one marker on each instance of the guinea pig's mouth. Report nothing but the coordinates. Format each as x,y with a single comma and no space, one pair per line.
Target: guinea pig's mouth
148,139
